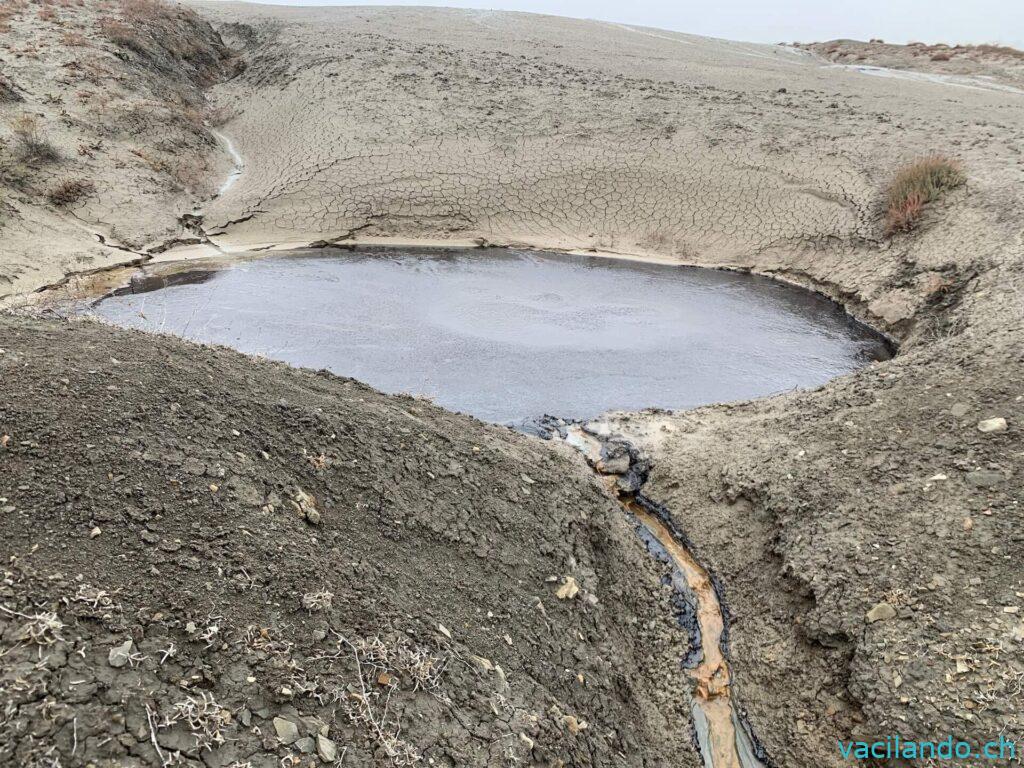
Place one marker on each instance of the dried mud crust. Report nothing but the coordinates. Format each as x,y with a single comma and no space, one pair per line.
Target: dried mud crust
199,546
435,123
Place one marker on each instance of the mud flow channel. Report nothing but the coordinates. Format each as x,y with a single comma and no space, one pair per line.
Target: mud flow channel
513,336
510,336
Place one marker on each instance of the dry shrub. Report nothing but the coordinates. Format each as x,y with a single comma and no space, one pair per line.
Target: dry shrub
123,35
170,38
941,56
218,116
74,40
31,142
46,14
189,173
70,191
146,10
999,51
184,172
916,185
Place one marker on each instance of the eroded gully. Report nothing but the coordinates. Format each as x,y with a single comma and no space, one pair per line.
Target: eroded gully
722,735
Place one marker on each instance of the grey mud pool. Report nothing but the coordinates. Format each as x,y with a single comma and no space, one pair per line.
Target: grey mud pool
509,336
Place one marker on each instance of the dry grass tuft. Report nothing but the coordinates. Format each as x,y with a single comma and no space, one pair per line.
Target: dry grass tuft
122,35
31,142
70,191
74,40
315,602
916,185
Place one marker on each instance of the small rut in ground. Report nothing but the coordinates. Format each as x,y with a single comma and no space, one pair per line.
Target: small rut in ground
723,737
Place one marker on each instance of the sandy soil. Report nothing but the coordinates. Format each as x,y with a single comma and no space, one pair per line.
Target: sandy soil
867,534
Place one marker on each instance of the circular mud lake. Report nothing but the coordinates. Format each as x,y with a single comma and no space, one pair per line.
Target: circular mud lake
509,336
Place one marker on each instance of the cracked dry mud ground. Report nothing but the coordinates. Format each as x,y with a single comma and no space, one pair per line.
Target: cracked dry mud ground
813,508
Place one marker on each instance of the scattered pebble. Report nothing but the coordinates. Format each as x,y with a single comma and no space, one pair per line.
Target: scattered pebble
119,655
881,612
569,589
326,749
997,424
287,731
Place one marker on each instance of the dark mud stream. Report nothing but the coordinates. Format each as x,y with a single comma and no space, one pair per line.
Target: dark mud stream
509,336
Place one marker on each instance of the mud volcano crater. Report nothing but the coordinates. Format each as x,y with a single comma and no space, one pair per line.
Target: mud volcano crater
513,336
509,336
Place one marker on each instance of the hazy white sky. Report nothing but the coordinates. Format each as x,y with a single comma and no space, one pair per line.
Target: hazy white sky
773,21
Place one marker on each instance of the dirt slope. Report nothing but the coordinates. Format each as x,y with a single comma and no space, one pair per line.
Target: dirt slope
104,141
236,519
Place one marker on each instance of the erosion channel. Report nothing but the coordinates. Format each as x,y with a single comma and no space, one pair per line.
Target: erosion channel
512,337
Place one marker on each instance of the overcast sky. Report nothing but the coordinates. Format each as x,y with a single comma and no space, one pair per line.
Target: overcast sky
770,21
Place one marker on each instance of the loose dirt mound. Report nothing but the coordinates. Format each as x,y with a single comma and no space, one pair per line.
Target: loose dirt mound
236,561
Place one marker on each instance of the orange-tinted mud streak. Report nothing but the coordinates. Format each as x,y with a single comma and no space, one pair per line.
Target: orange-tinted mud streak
711,677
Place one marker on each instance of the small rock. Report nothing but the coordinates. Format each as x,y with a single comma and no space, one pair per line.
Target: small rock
569,589
326,748
444,631
984,478
306,745
95,532
574,724
997,424
938,581
119,655
482,663
959,410
287,731
881,612
313,516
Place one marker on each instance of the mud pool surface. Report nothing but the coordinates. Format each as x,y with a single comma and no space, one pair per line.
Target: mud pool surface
509,336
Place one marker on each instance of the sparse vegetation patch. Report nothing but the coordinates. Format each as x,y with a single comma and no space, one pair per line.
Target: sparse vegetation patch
30,141
70,191
917,184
